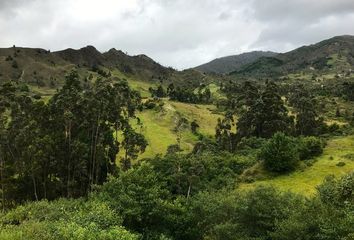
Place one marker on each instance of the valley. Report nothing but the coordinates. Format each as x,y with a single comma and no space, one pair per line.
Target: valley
98,145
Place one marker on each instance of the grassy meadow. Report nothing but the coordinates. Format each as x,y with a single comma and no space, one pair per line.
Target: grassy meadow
305,180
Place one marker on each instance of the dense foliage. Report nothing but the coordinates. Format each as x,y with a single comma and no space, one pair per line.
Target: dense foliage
145,203
187,95
70,168
280,153
62,147
254,110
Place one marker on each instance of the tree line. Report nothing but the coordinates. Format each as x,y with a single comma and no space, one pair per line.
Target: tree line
187,95
62,147
260,111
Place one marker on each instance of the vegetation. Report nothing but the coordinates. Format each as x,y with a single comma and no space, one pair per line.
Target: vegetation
62,147
124,148
280,154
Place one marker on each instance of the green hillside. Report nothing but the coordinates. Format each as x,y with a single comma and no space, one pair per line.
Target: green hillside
159,126
331,56
42,68
229,64
304,181
111,146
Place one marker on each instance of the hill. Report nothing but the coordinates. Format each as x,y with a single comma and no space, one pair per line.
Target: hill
232,63
332,56
43,68
227,159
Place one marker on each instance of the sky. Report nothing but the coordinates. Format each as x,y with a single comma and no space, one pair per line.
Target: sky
176,33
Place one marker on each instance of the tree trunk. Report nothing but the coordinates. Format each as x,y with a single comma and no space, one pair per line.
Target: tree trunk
69,161
91,156
94,170
2,184
189,190
34,187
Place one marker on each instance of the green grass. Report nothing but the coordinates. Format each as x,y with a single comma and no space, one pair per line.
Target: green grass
201,113
305,181
158,126
215,91
45,92
339,62
157,131
140,86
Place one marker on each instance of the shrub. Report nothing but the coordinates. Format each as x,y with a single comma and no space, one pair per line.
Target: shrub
14,64
37,97
337,192
63,219
251,145
310,147
150,104
136,195
340,164
280,153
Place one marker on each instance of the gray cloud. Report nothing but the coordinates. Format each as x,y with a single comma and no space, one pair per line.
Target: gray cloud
178,33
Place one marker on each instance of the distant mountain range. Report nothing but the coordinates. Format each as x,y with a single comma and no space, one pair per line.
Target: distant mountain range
40,67
232,63
331,56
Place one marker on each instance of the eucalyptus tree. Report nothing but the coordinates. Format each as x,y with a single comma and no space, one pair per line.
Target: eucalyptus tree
255,112
63,147
308,122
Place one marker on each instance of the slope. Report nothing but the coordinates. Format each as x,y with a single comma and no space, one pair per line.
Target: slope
232,63
159,126
304,181
334,55
42,68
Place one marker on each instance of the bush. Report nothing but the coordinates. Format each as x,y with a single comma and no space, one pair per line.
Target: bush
251,145
280,153
14,64
236,216
150,104
190,174
310,147
37,96
23,88
137,196
63,219
337,192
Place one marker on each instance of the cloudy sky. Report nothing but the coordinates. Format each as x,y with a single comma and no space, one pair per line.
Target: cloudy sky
177,33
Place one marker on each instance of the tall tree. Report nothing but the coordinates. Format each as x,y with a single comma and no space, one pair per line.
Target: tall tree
260,112
63,147
305,105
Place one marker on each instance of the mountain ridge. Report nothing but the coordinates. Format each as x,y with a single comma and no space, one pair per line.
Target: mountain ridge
333,55
227,64
37,66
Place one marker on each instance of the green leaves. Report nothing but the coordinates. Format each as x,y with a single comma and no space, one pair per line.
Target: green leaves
260,112
63,147
64,219
280,154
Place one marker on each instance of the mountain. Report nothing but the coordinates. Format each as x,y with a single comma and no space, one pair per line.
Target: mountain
39,67
331,56
232,63
44,68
